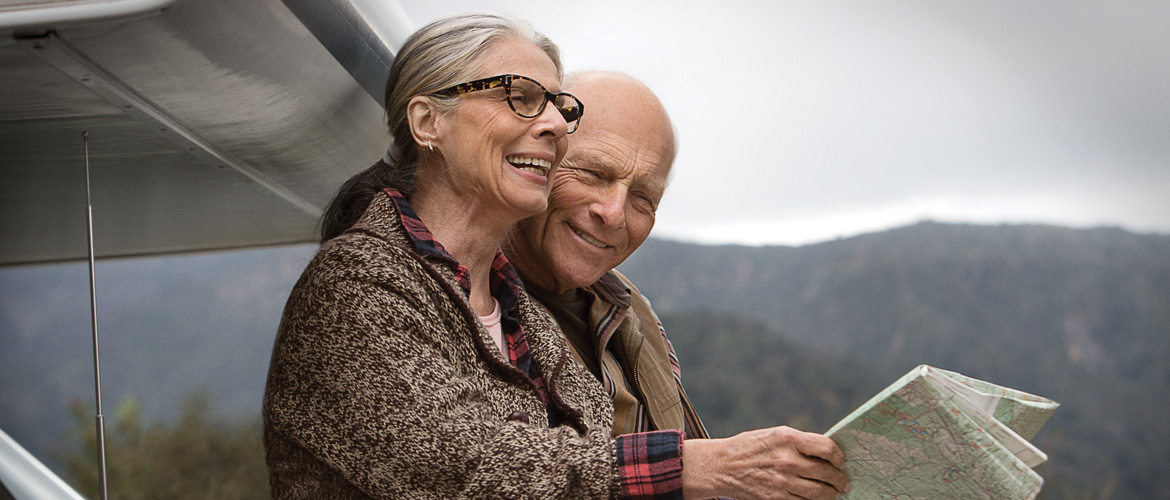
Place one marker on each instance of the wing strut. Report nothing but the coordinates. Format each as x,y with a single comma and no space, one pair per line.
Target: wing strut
97,366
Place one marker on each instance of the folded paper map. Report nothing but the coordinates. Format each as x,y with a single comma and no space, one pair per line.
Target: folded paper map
936,434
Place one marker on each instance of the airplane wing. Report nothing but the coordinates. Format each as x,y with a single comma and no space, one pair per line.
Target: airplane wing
211,124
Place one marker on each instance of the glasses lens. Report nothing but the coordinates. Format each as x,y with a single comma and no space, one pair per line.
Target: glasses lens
571,109
527,97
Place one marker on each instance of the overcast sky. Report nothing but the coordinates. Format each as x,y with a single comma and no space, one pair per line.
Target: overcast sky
804,121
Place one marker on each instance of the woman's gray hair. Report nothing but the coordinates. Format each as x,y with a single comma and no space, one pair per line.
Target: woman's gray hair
441,54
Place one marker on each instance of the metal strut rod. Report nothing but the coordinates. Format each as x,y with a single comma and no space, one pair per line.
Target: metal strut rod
97,366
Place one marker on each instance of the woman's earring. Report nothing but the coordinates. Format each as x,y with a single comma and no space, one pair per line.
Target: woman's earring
430,147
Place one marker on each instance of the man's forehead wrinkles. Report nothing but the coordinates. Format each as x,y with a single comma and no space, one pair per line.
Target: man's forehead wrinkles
618,153
655,183
615,144
607,156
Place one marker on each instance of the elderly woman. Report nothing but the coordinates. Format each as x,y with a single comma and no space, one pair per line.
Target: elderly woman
409,362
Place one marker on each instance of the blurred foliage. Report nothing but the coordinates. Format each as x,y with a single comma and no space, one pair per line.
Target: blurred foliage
741,375
1079,316
198,457
800,337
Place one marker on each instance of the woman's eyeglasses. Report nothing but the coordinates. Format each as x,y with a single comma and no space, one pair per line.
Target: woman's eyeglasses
525,96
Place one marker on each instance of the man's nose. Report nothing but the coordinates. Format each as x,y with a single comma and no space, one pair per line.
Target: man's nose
610,207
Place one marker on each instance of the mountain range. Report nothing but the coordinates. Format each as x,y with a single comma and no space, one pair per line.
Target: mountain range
766,336
1079,316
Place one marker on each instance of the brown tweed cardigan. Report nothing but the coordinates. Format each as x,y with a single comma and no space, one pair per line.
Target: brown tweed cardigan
383,384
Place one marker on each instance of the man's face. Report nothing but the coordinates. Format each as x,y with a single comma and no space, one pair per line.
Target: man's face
603,199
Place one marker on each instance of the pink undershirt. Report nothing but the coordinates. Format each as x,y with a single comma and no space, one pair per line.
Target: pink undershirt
492,323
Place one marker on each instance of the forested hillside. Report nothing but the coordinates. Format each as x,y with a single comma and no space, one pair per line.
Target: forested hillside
766,336
1081,316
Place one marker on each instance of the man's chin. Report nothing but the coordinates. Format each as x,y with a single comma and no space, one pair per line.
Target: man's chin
592,277
576,277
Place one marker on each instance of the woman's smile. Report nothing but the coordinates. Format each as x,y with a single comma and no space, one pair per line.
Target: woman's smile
537,166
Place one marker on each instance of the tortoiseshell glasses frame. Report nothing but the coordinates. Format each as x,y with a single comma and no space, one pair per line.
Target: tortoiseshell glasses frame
526,97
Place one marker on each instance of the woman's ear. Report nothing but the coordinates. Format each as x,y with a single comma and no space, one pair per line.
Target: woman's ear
423,117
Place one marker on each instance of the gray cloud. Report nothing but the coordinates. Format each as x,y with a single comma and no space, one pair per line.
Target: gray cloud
858,116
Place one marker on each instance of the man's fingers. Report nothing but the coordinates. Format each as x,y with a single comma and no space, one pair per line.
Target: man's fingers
791,462
828,462
817,445
814,490
829,475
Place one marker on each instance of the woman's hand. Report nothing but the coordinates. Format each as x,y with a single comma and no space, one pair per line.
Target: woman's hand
774,463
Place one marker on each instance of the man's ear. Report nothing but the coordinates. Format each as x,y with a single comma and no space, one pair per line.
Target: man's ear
423,117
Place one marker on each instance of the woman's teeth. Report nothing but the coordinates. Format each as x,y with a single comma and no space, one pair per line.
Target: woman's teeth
534,165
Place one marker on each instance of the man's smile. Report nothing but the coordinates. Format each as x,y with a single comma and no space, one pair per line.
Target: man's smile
591,240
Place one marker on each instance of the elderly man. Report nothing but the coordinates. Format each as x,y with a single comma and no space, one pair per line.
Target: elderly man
601,208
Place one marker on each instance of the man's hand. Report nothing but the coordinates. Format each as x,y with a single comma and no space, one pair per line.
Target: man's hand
775,463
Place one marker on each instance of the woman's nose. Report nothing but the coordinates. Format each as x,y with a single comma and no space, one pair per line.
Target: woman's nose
550,121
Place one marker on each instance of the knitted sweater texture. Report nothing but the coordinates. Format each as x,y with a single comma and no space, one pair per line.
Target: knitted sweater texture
384,384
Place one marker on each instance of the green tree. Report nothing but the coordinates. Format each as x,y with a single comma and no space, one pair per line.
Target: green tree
197,457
